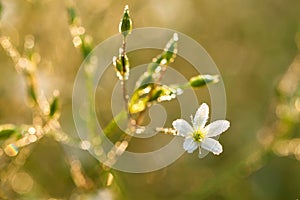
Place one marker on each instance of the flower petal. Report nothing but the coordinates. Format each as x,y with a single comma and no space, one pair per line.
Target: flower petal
201,116
190,145
184,129
212,145
216,128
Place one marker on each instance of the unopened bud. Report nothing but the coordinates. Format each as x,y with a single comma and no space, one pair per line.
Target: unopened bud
201,80
125,26
121,66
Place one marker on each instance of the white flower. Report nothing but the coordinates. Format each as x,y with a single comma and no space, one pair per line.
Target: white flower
199,136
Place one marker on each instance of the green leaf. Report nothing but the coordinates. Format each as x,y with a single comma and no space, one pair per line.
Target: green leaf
32,94
139,99
162,93
72,14
170,50
6,130
86,45
54,105
148,94
144,80
159,63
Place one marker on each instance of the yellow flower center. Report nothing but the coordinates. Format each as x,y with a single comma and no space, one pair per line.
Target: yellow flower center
198,135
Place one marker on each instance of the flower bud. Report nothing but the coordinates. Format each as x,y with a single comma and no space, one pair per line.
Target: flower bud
125,25
201,80
121,66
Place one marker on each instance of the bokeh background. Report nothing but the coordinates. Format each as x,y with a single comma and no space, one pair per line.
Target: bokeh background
255,45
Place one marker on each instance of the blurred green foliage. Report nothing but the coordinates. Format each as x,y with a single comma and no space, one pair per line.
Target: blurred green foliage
254,44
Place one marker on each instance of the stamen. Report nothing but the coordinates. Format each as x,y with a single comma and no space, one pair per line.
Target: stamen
198,135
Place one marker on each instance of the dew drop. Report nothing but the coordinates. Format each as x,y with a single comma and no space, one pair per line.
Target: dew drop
22,183
11,150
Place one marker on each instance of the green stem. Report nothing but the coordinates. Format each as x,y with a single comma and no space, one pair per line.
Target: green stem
108,130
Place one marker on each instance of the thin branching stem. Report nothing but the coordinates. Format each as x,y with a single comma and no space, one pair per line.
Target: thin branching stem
123,82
